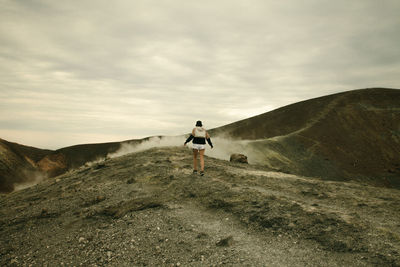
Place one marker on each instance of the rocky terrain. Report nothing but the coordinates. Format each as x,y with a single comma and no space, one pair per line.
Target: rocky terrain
25,164
147,208
18,164
353,135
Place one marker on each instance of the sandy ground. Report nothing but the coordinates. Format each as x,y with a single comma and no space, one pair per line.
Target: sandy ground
147,208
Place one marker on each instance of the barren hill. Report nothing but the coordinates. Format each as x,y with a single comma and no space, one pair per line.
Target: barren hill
18,164
24,164
353,135
147,208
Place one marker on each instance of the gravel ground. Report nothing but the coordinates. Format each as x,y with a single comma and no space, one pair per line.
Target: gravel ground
148,209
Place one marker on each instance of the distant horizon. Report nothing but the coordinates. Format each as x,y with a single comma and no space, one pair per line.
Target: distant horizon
189,127
131,69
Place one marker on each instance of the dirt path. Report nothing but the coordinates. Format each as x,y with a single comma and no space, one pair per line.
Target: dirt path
249,247
147,209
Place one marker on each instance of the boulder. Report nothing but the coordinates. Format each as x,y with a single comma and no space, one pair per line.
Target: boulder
226,242
239,158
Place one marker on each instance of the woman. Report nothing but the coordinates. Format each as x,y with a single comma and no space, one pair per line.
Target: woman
199,136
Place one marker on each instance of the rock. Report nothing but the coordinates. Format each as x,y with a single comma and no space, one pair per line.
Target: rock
100,198
99,166
130,181
240,158
202,235
226,242
44,212
81,239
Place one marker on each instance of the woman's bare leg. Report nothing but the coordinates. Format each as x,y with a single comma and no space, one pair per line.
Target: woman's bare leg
202,159
195,159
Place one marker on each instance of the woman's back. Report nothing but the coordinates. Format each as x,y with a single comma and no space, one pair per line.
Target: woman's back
199,132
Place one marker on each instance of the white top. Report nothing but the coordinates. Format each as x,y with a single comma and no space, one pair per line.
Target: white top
199,132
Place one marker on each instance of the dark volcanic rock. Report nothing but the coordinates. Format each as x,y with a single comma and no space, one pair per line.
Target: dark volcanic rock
238,158
225,242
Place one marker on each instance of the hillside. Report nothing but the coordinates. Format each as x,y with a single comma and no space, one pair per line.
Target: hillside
18,164
147,208
353,135
24,164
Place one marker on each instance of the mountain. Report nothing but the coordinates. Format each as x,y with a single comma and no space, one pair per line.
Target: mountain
18,164
353,135
148,209
350,136
24,164
308,197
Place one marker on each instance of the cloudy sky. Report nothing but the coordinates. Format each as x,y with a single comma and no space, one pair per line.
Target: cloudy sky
95,71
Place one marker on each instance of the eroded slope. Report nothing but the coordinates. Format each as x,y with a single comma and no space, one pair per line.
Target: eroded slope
353,135
148,209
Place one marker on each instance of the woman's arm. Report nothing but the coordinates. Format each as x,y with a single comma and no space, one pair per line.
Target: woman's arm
189,138
209,140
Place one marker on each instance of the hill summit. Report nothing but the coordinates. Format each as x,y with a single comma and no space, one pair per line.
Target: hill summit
353,135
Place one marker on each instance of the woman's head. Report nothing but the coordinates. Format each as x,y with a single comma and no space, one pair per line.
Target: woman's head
199,124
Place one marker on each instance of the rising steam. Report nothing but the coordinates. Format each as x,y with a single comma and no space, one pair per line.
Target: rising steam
223,147
147,144
33,178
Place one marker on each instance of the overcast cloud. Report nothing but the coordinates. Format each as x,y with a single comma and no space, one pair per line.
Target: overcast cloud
96,71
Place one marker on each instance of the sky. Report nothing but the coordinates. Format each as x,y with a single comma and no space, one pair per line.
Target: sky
90,71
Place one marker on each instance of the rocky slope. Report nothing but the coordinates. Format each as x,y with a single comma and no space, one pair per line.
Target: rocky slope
18,164
353,135
24,164
147,208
